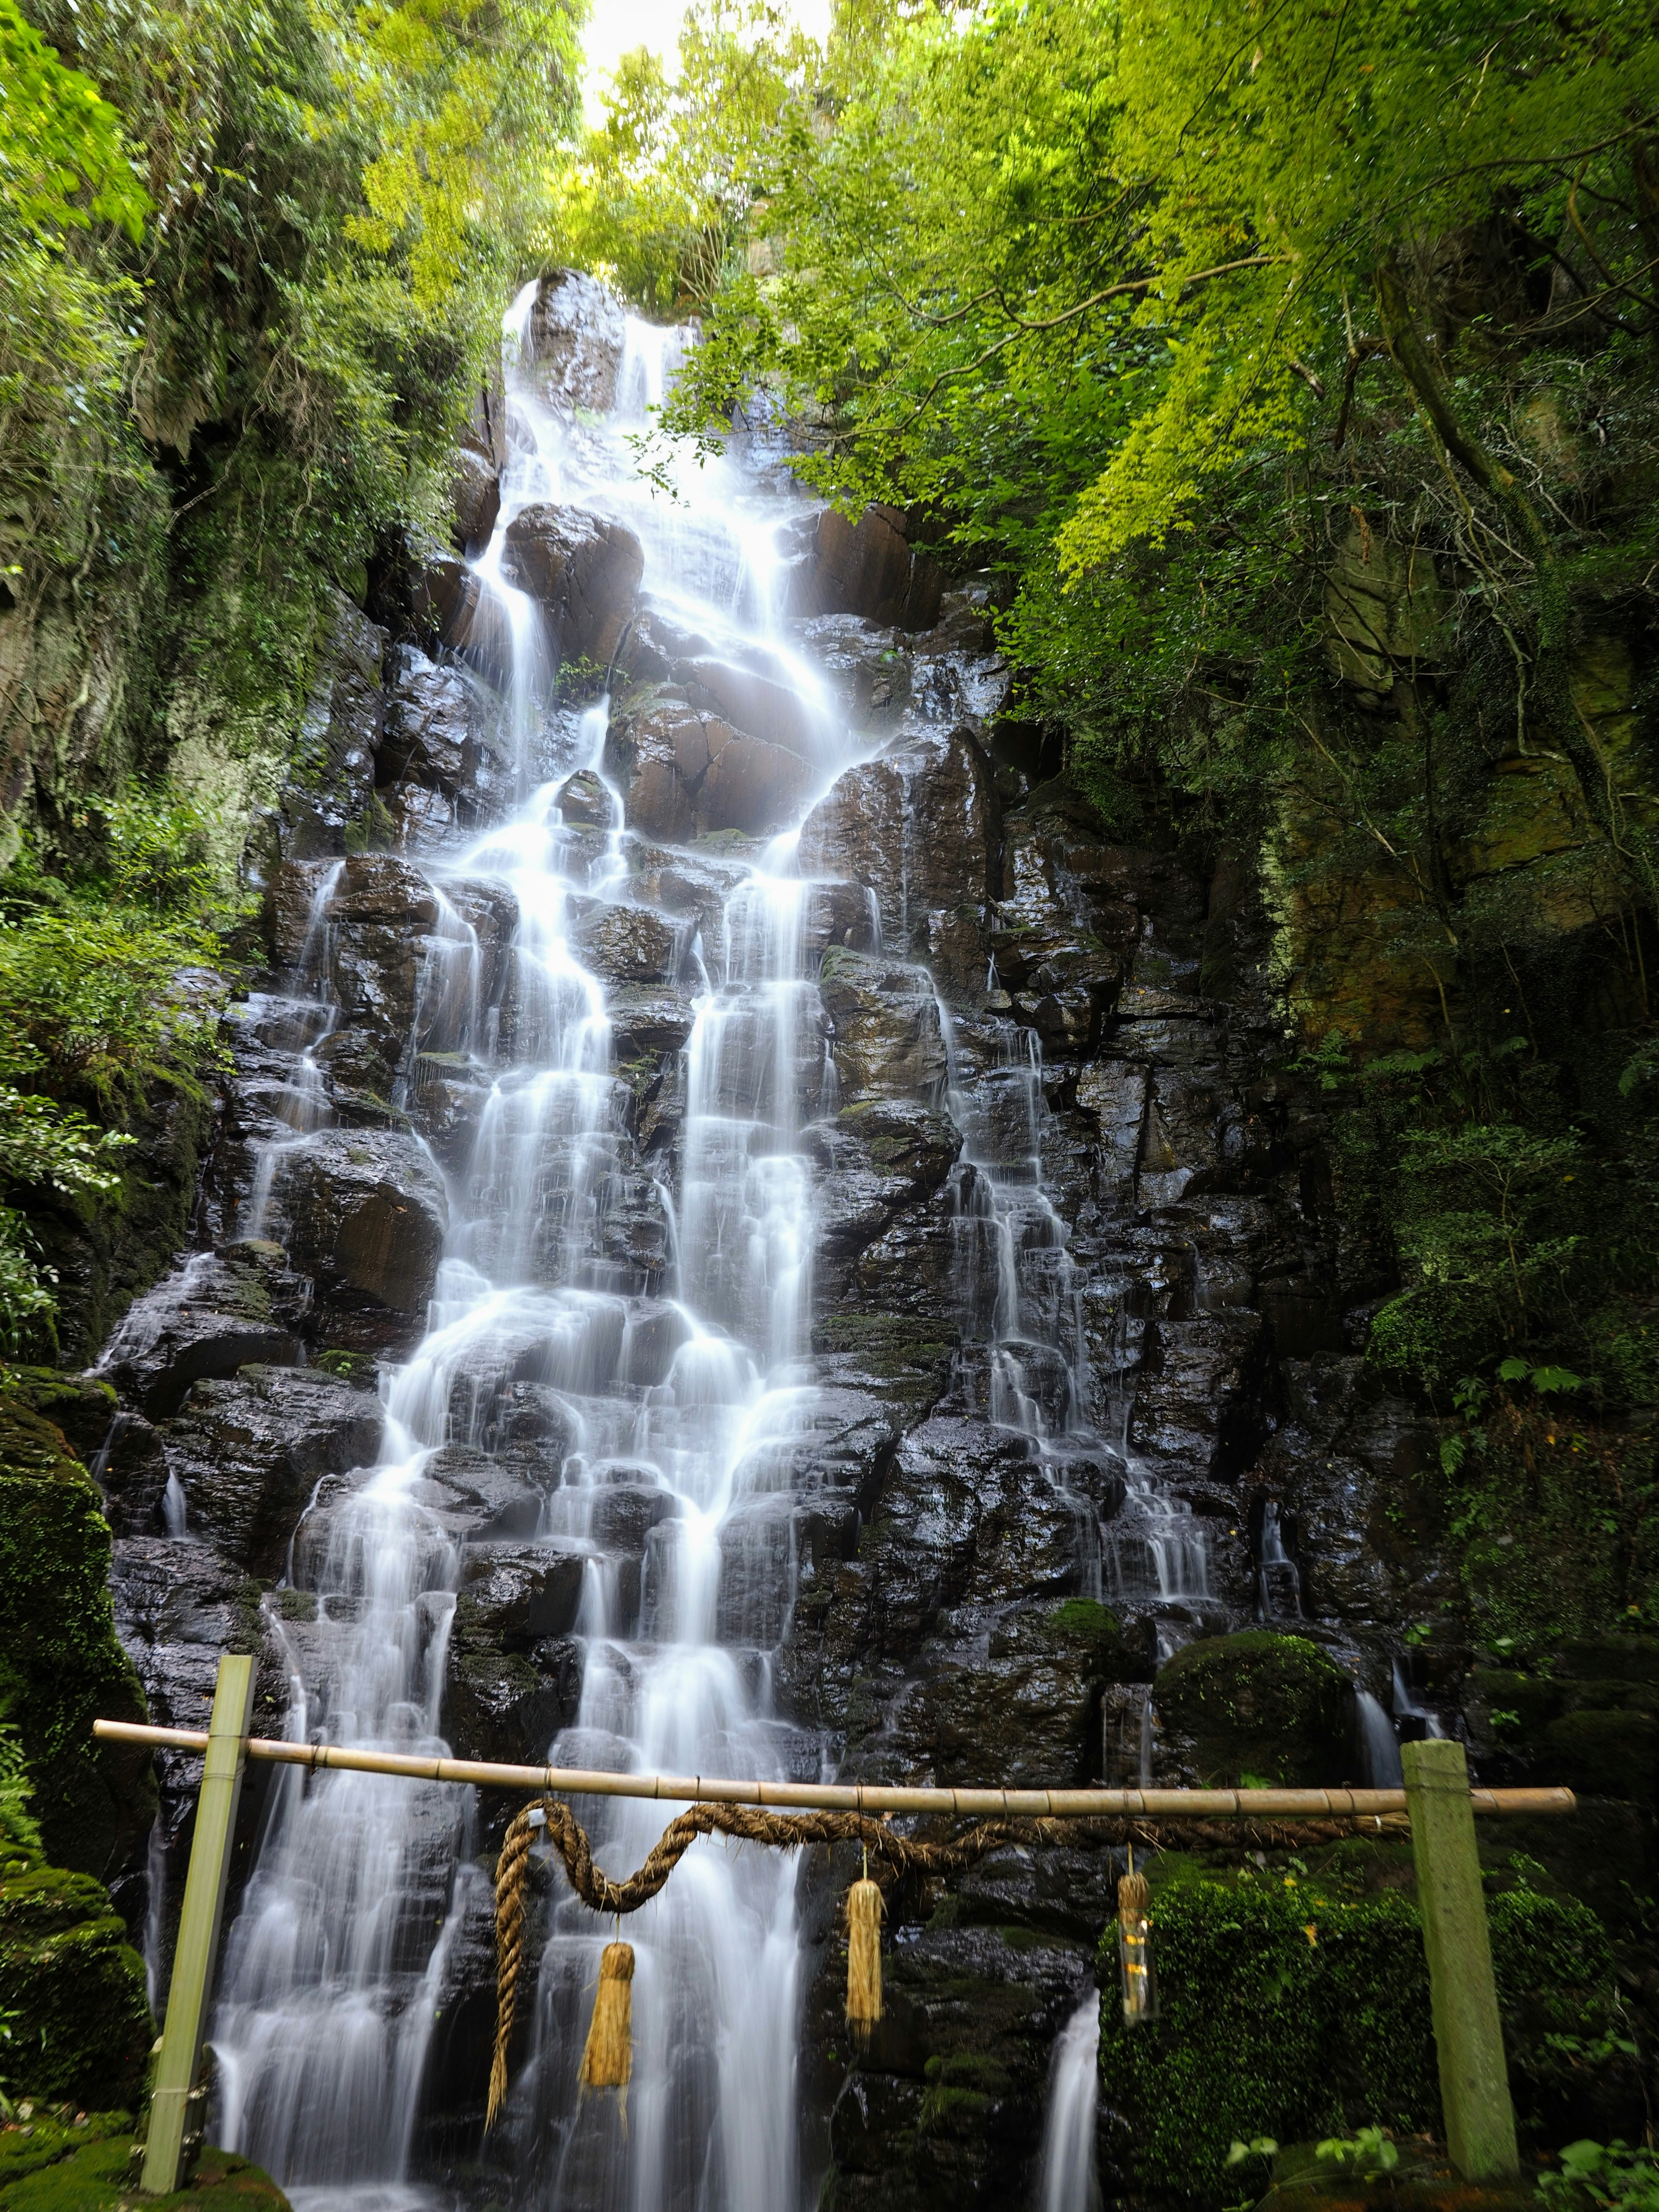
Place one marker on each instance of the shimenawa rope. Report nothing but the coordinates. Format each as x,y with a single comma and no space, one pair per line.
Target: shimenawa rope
895,1854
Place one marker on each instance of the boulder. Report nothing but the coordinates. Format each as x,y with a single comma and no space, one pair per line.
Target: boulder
584,803
67,1970
885,1035
762,702
443,731
581,570
689,772
572,343
367,1214
249,1452
475,496
866,567
1270,1706
917,825
625,943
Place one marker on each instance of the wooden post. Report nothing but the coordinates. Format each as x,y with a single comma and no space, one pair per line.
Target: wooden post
1474,2087
198,1927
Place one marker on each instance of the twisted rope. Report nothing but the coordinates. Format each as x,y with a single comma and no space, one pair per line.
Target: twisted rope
892,1856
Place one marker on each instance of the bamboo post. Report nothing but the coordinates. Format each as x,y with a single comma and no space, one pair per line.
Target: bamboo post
198,1926
1474,2087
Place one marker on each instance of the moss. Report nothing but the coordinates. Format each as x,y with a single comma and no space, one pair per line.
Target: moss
1257,1704
95,2179
906,1356
83,2028
61,1667
360,1367
38,2138
1288,2011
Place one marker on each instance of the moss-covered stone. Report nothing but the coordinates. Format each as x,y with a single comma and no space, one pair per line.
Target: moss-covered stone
1289,2011
82,2028
1256,1705
1606,1753
96,2178
61,1667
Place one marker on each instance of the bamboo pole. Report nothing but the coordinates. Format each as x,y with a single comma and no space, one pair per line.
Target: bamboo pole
851,1797
225,1743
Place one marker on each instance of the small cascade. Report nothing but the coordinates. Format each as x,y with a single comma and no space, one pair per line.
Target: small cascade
1069,2180
1375,1745
297,1026
1279,1584
1412,1718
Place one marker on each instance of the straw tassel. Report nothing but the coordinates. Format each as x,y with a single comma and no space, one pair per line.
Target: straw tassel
608,2060
864,1912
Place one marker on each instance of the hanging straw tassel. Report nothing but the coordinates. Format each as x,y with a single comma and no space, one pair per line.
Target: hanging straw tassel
608,2060
864,1912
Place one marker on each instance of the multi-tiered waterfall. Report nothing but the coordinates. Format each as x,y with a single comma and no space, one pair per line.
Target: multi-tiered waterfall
645,1075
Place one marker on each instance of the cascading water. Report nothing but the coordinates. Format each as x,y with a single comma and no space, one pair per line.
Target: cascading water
681,1415
1069,2180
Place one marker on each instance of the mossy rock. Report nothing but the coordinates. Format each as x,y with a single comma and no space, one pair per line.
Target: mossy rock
96,2178
83,2028
1607,1753
61,1667
1274,1708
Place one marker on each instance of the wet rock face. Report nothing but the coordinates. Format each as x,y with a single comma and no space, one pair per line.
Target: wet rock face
841,567
443,733
581,571
574,341
217,1312
918,826
885,1035
337,741
475,493
367,1214
248,1451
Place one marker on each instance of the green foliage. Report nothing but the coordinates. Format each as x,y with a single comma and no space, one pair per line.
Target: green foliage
1603,2178
64,158
1291,2012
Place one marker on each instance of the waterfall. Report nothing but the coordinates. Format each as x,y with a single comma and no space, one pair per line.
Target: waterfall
1067,2180
1278,1584
679,1417
1378,1746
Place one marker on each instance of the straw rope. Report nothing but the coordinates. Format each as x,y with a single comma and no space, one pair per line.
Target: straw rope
892,1856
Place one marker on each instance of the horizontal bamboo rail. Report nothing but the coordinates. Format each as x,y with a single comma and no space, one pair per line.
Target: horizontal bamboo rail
849,1797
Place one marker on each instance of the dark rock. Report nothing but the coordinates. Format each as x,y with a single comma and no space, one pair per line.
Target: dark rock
443,731
625,943
917,825
514,1596
367,1215
333,771
864,569
475,497
249,1452
583,572
584,801
572,343
214,1314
